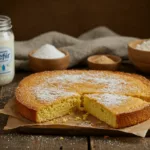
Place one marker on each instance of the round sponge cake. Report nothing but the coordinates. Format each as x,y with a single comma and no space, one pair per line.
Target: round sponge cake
44,96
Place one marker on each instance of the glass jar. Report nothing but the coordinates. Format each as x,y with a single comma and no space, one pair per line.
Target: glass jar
7,66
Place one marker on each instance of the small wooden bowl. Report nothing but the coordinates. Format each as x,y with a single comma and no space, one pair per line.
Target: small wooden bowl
96,66
140,58
39,64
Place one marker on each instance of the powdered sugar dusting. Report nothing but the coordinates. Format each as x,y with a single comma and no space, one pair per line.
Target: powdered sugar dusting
50,93
53,87
111,82
81,78
109,99
69,78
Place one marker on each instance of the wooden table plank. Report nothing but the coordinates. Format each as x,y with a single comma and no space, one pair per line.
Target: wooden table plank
41,142
119,143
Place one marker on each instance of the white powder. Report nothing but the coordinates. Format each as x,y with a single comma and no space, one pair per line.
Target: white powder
54,87
111,83
144,46
48,51
68,78
80,78
50,93
110,99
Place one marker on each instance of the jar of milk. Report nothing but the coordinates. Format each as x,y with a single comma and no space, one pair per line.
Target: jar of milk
7,67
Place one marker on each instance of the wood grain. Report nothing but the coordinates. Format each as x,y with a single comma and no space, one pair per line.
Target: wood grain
119,143
42,142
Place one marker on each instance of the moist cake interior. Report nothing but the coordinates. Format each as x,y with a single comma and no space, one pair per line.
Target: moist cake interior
110,107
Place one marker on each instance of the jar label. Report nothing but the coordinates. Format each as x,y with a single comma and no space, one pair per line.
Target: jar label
5,60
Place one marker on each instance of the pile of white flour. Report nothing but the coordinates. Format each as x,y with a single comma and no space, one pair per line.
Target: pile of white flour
48,51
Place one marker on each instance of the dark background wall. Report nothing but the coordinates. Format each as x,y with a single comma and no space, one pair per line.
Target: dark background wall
33,17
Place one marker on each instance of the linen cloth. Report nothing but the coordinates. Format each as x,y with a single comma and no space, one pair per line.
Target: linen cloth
100,40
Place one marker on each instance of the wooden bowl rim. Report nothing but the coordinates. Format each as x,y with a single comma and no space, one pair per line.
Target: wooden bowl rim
139,41
55,59
111,56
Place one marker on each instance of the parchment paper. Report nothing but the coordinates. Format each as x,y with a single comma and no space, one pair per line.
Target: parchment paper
75,119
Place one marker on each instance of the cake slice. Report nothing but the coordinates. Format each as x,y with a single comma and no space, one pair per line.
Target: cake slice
118,111
45,103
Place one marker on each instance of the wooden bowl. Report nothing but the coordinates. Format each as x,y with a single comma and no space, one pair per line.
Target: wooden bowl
140,58
39,64
96,66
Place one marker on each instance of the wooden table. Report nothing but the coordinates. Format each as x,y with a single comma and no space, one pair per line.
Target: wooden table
16,141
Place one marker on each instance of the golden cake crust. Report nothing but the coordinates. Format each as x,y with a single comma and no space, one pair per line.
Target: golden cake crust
26,112
132,118
126,109
75,82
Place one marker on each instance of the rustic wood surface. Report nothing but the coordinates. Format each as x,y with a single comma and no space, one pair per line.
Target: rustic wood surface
42,142
119,143
14,140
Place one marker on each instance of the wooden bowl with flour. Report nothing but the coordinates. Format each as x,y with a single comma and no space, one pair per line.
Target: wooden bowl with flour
139,57
104,62
42,64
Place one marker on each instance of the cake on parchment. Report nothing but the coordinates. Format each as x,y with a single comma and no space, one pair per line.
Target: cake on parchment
47,95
